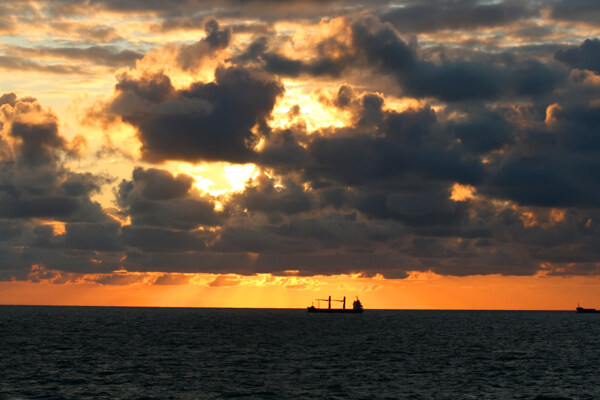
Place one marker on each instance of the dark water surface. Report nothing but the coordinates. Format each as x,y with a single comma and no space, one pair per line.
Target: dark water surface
102,352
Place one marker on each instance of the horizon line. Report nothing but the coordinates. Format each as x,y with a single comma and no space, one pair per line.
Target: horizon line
277,308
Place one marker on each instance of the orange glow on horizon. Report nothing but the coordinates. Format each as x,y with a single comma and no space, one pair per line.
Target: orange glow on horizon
422,290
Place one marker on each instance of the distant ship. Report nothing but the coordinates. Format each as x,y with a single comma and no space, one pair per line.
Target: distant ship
586,310
356,307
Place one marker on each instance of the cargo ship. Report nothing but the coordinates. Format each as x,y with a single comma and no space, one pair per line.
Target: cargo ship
586,310
356,307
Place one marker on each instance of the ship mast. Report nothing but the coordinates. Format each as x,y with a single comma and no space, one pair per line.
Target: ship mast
329,300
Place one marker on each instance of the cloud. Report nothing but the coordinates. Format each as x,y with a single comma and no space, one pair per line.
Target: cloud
451,80
37,187
376,46
156,198
190,57
558,173
152,239
575,10
8,98
205,122
586,56
100,237
99,55
266,196
387,145
257,9
361,120
119,279
94,32
432,15
24,64
225,281
33,181
37,142
484,132
172,279
161,185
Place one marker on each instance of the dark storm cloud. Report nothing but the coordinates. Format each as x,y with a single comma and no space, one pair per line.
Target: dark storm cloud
586,56
33,182
151,239
157,198
253,51
86,236
433,15
562,244
82,184
413,209
405,143
39,206
189,261
338,231
205,122
154,88
483,132
178,214
101,55
36,186
451,80
284,149
261,240
264,196
576,10
247,264
333,56
39,142
46,192
9,230
562,173
159,184
533,181
324,66
377,45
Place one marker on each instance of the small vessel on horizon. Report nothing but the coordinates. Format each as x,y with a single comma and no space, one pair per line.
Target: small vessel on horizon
356,307
586,310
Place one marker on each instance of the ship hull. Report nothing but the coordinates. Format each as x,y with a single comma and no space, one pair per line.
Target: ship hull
332,311
582,310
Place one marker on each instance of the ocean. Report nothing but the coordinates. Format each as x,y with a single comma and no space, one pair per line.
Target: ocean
199,353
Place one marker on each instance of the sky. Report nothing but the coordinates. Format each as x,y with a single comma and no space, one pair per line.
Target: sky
257,153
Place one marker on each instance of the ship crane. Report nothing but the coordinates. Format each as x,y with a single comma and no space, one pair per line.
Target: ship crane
329,300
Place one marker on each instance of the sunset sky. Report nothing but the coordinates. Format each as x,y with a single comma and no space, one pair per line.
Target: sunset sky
261,153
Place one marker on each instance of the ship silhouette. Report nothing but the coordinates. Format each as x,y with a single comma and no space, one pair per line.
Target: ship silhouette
356,307
586,310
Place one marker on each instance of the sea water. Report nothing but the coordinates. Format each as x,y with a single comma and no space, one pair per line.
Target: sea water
177,353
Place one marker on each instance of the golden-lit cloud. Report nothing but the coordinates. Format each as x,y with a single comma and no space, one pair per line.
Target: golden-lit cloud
462,192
